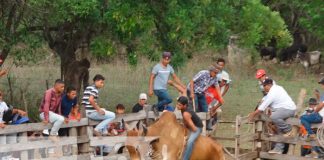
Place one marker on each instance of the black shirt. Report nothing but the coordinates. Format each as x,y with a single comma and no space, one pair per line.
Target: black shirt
195,118
137,108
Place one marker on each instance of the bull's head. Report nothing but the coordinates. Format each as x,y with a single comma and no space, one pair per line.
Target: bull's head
137,147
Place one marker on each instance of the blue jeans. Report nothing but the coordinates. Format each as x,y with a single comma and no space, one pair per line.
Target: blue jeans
54,118
163,98
191,141
200,102
106,119
307,120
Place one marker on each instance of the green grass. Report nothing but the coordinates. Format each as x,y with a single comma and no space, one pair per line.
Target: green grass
124,83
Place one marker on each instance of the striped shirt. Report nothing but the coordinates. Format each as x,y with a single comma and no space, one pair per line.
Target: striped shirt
203,80
89,91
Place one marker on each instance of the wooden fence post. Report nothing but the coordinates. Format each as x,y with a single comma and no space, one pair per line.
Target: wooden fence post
259,130
73,133
23,139
237,136
299,106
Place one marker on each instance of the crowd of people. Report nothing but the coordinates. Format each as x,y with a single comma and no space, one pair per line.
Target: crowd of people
203,93
279,106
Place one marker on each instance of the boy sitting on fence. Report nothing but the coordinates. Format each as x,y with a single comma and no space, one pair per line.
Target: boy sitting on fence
309,151
93,110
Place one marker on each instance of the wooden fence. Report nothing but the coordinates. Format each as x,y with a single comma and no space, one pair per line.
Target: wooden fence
81,145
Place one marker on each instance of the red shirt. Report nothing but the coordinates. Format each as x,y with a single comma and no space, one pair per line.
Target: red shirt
211,93
51,102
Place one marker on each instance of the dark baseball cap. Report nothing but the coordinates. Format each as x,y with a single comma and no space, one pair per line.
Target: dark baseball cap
166,55
312,101
267,81
321,81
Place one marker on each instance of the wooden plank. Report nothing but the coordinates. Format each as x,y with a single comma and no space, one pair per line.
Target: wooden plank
248,156
37,144
113,140
248,137
39,126
290,140
266,155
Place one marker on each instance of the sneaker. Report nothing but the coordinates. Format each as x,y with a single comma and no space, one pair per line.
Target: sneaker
275,151
313,154
53,138
288,134
97,133
155,110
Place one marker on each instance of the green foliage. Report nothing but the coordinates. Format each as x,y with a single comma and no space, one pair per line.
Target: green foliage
259,25
314,18
102,47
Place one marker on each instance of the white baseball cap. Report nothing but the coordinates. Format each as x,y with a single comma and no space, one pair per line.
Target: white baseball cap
142,96
225,77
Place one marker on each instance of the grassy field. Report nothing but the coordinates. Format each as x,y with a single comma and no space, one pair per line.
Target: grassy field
124,83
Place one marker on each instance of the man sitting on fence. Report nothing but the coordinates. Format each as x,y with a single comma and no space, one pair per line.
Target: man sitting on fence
93,110
50,109
282,107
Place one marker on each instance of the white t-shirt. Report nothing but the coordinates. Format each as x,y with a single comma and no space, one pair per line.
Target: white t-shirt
321,112
3,108
277,98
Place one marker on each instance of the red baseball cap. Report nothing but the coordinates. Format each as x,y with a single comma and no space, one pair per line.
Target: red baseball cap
260,73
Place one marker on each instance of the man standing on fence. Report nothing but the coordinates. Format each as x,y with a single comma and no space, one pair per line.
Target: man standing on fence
199,84
282,107
93,110
159,80
50,109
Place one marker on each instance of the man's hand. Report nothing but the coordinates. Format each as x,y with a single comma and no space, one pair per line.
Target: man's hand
66,120
150,92
251,116
3,72
192,95
22,113
45,122
2,125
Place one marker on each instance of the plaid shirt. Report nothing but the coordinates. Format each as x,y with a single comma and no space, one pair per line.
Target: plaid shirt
203,80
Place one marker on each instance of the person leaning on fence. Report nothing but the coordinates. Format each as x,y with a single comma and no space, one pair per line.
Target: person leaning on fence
309,114
50,108
199,84
9,115
69,100
141,102
261,75
221,74
93,110
282,107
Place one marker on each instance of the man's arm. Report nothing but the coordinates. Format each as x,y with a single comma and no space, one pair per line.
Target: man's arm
20,112
319,107
225,90
190,124
253,114
47,106
192,93
177,80
152,76
95,105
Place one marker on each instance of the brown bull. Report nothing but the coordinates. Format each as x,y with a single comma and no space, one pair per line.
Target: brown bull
170,145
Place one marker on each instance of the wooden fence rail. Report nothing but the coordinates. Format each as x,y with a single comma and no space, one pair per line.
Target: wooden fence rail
28,148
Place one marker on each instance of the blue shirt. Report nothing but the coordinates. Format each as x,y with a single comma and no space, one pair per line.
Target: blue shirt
67,104
161,76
